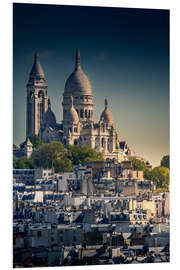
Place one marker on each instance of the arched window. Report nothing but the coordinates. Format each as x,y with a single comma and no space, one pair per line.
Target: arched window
75,142
96,143
102,142
40,94
81,113
89,114
109,148
103,129
85,113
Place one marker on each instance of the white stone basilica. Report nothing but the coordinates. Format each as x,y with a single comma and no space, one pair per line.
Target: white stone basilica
77,127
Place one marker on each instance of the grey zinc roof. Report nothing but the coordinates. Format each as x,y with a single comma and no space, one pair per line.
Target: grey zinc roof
78,82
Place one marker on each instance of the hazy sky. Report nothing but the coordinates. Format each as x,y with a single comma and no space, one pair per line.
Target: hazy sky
124,53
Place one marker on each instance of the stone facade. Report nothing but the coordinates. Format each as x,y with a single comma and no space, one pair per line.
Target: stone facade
78,126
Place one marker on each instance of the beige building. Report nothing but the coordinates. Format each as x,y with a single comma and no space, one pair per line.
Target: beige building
78,126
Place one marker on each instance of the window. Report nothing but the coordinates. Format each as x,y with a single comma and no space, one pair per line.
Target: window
81,113
40,94
39,233
75,142
109,145
75,130
102,142
85,113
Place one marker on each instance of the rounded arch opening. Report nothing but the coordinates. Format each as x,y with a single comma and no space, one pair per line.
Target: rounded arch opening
40,94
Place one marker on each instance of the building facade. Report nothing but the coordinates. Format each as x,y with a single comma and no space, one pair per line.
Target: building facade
78,126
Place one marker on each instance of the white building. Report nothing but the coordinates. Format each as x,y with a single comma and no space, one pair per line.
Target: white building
78,126
63,179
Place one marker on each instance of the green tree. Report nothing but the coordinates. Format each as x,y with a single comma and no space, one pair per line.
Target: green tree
35,140
147,174
138,165
48,153
165,161
23,163
83,155
160,177
63,165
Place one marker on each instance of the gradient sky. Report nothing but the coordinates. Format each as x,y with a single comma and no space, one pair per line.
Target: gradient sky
124,53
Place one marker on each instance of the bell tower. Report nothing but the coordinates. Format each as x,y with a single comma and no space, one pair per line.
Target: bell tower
37,99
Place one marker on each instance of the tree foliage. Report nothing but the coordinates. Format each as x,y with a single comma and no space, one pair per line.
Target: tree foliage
54,154
165,161
159,175
35,140
48,153
23,163
138,165
83,155
63,165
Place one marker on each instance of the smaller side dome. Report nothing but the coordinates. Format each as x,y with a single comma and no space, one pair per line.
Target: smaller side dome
72,114
106,115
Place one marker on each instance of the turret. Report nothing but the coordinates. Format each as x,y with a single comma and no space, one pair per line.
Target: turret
37,99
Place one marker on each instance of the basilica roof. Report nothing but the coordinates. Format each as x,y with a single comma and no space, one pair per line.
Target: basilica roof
106,115
49,117
78,82
37,71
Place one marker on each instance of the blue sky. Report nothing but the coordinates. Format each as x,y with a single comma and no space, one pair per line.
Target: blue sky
124,53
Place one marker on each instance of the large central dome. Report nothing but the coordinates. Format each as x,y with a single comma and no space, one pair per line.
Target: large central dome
78,83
